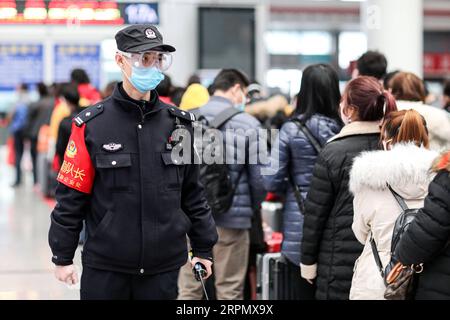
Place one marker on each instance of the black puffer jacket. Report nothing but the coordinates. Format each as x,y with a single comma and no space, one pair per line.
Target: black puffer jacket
329,247
426,241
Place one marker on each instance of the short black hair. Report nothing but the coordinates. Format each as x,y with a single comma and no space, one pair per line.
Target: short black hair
319,92
193,79
164,87
42,89
372,63
79,76
227,78
70,93
176,95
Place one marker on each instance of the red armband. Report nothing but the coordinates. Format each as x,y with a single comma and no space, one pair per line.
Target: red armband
77,171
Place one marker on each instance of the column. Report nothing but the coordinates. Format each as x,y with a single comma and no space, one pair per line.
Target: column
395,28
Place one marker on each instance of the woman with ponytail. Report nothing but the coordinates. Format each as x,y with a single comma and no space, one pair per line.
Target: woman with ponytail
329,248
404,166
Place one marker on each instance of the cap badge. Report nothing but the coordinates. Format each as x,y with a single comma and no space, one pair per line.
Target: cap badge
149,33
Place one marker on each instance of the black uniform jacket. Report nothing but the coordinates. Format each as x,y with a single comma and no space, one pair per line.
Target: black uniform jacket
118,175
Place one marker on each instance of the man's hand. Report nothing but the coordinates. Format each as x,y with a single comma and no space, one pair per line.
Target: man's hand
207,263
67,274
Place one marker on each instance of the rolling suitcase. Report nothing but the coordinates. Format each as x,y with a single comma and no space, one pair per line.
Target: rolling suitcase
272,277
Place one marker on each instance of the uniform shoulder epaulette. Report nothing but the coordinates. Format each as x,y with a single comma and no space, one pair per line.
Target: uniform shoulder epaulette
182,114
88,114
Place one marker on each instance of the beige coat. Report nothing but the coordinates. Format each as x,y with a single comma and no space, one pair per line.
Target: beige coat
438,122
406,169
268,108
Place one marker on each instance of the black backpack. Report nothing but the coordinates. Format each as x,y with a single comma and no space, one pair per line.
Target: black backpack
215,177
401,225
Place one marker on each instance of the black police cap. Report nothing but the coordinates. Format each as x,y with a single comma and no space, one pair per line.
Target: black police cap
141,37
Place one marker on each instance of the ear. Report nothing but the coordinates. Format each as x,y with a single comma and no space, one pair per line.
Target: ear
345,110
235,88
119,60
349,111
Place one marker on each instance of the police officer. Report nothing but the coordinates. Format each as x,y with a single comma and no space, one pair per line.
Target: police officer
119,175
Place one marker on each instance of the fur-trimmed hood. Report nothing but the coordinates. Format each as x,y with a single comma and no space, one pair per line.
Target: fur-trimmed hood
407,168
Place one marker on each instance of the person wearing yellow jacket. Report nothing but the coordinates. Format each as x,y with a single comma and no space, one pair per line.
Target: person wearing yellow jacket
195,96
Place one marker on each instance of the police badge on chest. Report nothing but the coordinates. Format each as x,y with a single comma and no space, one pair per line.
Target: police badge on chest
112,147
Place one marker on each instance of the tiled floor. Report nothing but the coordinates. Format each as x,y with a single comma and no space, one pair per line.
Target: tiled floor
26,271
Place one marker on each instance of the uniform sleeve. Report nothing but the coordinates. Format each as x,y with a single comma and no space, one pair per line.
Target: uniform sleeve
75,179
66,223
319,202
429,233
202,234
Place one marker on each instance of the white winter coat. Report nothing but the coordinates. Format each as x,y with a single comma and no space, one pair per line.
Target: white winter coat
407,169
438,122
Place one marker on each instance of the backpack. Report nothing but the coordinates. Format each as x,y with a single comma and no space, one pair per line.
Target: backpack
317,146
401,225
20,118
215,177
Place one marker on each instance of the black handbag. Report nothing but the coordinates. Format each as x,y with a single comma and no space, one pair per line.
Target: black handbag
401,282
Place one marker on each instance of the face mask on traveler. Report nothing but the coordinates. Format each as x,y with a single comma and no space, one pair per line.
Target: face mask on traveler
145,79
241,106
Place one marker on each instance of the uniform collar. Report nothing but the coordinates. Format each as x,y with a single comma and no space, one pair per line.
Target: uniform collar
129,104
